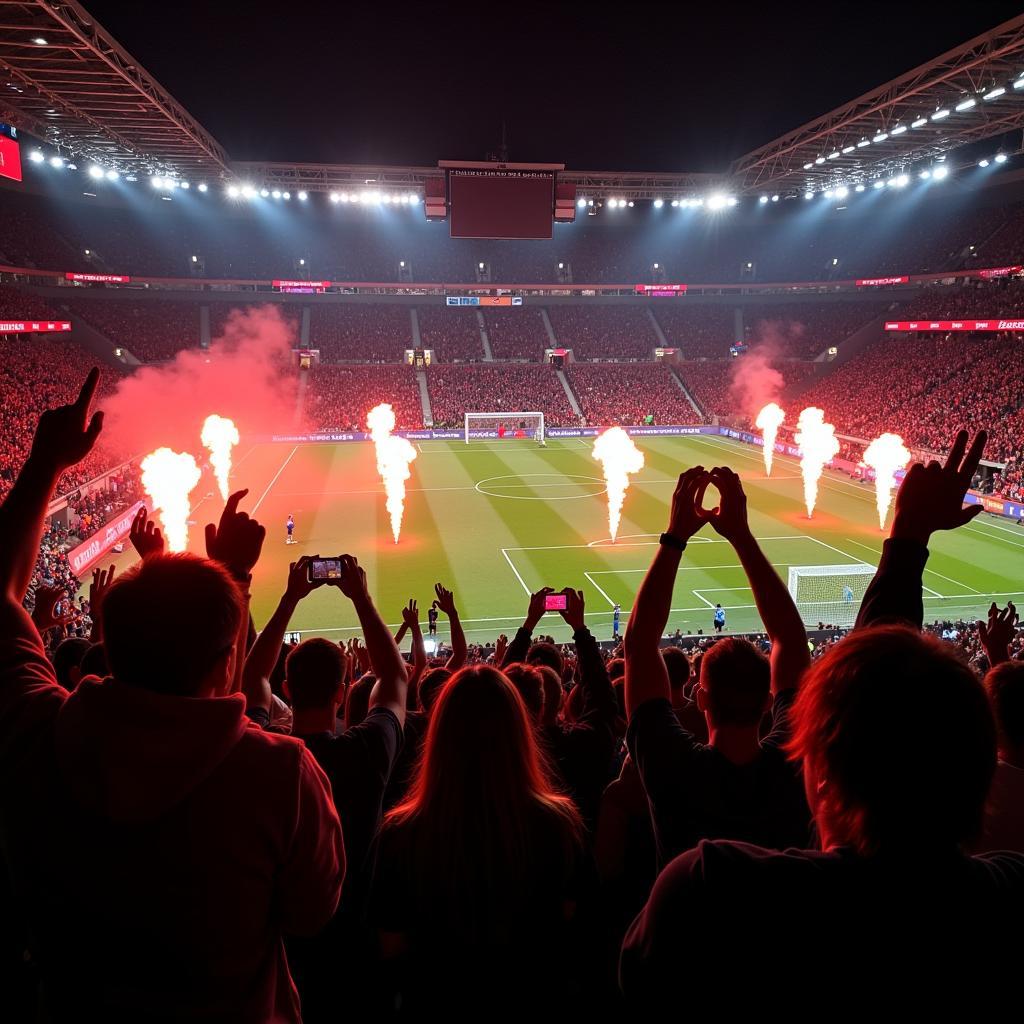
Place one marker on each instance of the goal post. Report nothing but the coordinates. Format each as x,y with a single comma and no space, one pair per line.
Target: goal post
829,593
502,426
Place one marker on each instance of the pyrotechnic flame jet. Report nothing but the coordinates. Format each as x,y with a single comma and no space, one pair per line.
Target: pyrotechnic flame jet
619,457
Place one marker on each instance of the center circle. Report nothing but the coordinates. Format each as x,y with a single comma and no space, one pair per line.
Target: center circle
548,485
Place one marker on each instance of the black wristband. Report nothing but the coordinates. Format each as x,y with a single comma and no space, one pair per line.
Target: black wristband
672,542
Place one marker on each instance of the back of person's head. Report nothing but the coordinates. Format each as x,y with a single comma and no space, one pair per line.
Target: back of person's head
530,684
616,668
170,623
897,740
431,685
67,661
735,678
315,674
678,666
481,772
544,653
1005,686
94,661
552,684
357,700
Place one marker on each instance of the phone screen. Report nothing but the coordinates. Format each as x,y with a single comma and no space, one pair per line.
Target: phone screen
555,603
325,569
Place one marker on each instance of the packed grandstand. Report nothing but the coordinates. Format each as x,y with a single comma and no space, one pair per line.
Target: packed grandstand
893,315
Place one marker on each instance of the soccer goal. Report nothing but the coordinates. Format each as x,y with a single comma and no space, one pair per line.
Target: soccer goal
500,426
829,593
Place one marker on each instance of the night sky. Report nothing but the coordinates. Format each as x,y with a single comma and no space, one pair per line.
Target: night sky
671,88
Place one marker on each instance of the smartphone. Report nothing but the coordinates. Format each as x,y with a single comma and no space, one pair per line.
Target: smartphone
555,603
324,569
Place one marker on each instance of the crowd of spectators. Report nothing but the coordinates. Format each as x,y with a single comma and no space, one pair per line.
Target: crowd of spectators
339,397
526,825
489,387
351,332
153,331
698,331
517,332
612,394
18,304
604,332
452,333
803,330
222,312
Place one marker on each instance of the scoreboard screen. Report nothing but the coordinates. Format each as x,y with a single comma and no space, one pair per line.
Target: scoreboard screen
501,202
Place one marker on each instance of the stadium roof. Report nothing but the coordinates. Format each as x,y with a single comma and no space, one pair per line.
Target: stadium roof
66,80
968,94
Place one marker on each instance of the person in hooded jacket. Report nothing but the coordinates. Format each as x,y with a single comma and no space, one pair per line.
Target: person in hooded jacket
158,844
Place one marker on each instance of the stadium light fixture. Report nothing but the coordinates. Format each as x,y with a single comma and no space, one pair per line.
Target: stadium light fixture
898,130
775,199
112,175
842,192
808,166
95,172
863,143
901,181
335,198
631,204
859,188
581,203
763,200
130,177
847,149
286,196
1019,84
195,259
731,201
940,114
480,266
983,163
303,196
657,266
233,192
612,203
386,198
925,175
880,137
878,184
202,186
834,155
185,185
659,203
56,162
156,182
675,202
919,123
414,199
36,157
939,173
266,192
39,40
965,105
302,262
995,93
248,192
276,193
819,160
1000,158
808,194
829,193
717,201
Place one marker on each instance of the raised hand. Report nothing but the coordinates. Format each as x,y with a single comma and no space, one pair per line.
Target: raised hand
299,583
411,615
359,655
101,580
998,633
729,519
237,540
573,613
145,535
500,647
65,435
931,497
352,581
686,518
536,609
445,600
45,615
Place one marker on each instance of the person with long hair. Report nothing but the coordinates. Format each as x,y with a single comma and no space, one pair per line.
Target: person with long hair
479,870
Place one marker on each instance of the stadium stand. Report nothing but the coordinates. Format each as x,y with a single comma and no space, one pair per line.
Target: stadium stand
698,331
339,397
612,394
360,333
453,334
152,331
604,332
456,390
516,333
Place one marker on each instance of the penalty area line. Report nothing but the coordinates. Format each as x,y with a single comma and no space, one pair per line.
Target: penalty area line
255,507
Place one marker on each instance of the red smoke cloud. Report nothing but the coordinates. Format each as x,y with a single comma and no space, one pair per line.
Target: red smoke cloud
755,380
244,375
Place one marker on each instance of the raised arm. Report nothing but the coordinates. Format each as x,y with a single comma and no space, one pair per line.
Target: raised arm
598,696
646,675
516,650
64,436
385,659
263,655
931,498
790,656
446,603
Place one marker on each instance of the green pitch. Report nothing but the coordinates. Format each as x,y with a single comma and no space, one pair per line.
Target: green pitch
494,521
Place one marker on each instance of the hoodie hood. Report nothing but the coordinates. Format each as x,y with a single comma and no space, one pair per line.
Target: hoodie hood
130,755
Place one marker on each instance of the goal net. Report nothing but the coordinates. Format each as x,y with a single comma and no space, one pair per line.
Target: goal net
829,593
502,426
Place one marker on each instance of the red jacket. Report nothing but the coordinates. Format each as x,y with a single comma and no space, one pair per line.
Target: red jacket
159,846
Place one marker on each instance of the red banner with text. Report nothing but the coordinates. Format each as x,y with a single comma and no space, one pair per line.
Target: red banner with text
98,278
33,326
955,325
87,554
